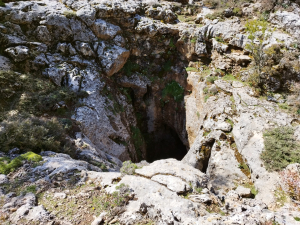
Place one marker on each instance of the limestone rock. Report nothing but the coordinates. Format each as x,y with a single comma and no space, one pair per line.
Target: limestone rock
105,30
243,192
174,168
5,63
19,53
173,183
113,59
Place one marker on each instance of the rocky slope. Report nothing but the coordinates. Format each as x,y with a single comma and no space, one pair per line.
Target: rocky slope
166,82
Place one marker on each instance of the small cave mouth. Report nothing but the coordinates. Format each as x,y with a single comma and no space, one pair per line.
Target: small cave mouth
164,143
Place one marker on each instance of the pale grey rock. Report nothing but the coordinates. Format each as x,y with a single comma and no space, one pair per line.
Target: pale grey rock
85,49
18,53
56,74
174,168
203,198
113,59
59,26
60,195
62,163
137,82
219,47
99,219
153,197
161,13
38,214
120,41
288,21
87,15
297,133
224,85
104,178
72,50
243,192
3,179
173,183
81,32
240,59
5,63
62,47
240,40
105,30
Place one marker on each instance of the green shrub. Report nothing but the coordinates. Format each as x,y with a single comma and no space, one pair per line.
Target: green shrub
173,89
31,134
2,4
215,15
7,165
128,168
33,94
192,69
211,79
281,148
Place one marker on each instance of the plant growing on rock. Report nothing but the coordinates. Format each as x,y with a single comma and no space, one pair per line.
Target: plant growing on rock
281,148
173,89
257,30
128,168
7,165
292,181
29,133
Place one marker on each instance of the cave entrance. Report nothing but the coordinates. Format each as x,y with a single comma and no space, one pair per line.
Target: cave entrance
165,143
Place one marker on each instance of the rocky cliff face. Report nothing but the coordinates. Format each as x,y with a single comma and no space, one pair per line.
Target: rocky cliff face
156,83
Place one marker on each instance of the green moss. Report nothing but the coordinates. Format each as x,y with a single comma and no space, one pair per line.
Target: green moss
7,165
228,77
192,69
297,218
212,79
2,4
281,148
173,89
193,40
130,68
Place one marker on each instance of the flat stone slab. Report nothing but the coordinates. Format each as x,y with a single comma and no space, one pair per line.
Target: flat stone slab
175,168
173,183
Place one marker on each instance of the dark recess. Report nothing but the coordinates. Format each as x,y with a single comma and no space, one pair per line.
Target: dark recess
164,143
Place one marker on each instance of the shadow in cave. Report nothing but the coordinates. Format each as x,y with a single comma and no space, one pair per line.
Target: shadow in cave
165,143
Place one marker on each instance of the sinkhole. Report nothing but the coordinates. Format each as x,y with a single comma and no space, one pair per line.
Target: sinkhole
164,143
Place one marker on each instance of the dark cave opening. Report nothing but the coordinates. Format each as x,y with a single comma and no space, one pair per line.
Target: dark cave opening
165,143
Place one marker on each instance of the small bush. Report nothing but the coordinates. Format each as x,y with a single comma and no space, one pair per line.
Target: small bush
192,69
211,79
31,134
128,168
7,165
215,15
292,181
173,89
281,148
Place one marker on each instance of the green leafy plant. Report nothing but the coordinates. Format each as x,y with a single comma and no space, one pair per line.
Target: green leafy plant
7,165
173,89
29,133
128,168
257,30
211,79
281,148
192,69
